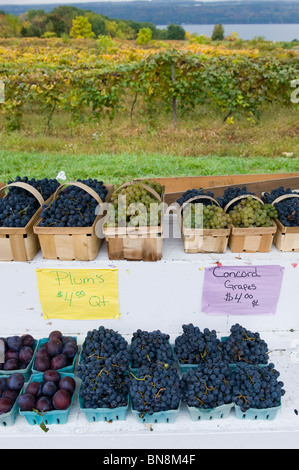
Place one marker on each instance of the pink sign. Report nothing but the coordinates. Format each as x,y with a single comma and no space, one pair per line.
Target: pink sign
241,290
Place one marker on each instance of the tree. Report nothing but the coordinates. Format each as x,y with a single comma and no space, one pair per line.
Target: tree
218,33
81,28
175,31
144,36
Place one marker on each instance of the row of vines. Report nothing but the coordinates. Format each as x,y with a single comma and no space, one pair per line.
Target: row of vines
175,81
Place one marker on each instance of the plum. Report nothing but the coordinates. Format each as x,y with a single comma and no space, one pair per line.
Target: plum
34,388
54,347
16,381
67,383
49,389
26,354
51,376
6,405
11,394
56,334
11,364
14,343
42,363
43,404
70,350
28,340
58,362
62,400
26,402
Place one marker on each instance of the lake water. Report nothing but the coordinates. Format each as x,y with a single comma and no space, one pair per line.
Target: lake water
271,32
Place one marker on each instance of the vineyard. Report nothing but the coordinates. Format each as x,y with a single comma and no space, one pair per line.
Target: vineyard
94,79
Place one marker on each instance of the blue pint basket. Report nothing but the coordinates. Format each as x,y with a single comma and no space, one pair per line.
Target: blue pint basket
185,367
28,370
94,415
8,419
220,412
168,417
68,369
50,417
266,414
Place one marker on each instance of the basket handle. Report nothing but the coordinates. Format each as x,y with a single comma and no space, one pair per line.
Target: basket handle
28,188
284,196
145,186
196,198
80,185
238,198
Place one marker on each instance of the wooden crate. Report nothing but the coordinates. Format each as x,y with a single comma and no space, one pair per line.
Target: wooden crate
136,243
198,240
72,243
251,239
286,238
21,244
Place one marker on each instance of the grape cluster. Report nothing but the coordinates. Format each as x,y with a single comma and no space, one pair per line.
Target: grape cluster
194,346
190,193
287,209
135,206
101,344
207,217
231,193
149,348
257,387
243,345
208,386
156,389
250,212
105,385
19,206
73,207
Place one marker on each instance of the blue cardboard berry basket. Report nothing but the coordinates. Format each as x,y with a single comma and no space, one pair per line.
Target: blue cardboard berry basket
8,419
168,417
28,370
220,412
266,414
68,369
94,415
50,417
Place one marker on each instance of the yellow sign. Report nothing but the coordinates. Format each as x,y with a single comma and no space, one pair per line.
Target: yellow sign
78,294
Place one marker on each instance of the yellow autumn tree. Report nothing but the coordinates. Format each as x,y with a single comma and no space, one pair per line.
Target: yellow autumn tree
81,28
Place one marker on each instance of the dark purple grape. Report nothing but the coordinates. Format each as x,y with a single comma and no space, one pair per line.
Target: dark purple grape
58,362
49,389
28,340
42,363
54,347
43,404
16,381
14,343
70,350
68,384
62,400
26,354
51,376
34,388
6,405
56,334
11,364
26,402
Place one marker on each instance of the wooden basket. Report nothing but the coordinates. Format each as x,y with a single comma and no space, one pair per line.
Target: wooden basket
136,243
286,238
21,244
197,240
72,243
251,239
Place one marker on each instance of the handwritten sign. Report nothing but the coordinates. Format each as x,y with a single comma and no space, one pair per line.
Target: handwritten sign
241,290
78,294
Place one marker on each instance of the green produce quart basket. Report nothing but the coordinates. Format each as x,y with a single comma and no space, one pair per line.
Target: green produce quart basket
26,372
267,414
50,417
94,415
8,419
220,412
68,369
168,417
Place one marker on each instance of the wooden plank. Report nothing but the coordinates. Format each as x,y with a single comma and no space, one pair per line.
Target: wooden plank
48,247
18,248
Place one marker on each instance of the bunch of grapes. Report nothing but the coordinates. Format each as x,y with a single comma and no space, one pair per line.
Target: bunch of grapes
101,344
244,346
73,207
193,193
207,217
195,346
231,193
135,206
105,385
156,389
148,348
287,209
250,212
208,386
257,387
19,206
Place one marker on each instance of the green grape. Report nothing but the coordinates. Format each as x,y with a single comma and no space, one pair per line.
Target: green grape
250,212
207,217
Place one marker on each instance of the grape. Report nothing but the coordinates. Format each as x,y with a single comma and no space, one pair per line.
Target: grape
250,212
243,345
62,400
193,193
257,387
194,346
150,347
73,207
287,209
205,216
232,193
209,385
134,206
18,206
